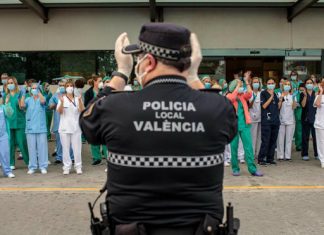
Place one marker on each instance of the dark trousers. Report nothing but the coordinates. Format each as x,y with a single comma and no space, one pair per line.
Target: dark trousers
269,135
308,128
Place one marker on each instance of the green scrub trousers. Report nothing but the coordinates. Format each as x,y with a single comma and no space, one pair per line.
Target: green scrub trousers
298,128
97,151
244,131
17,124
49,116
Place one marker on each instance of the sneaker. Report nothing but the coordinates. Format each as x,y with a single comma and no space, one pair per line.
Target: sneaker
227,164
44,171
322,165
272,163
242,161
79,171
54,154
305,158
288,160
10,175
236,174
12,167
257,173
49,162
20,157
66,172
262,163
298,149
96,162
30,172
58,162
106,170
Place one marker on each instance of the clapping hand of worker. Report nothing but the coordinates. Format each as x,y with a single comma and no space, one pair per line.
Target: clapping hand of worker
124,61
195,59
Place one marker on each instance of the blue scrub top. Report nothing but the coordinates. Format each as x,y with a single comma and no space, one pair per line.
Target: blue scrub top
35,116
270,115
56,122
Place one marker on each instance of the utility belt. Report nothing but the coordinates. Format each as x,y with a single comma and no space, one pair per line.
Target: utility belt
207,226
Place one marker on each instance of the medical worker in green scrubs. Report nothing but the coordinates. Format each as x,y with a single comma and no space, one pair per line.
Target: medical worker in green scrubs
17,122
49,113
295,83
239,96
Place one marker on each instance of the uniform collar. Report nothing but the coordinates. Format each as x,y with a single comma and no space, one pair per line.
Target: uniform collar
167,79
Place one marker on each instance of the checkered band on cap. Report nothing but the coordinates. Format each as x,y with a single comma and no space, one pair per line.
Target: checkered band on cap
166,161
160,51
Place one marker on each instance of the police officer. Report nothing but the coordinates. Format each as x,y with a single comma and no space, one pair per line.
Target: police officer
166,142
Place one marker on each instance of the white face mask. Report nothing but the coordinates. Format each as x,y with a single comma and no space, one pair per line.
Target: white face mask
100,85
140,77
69,90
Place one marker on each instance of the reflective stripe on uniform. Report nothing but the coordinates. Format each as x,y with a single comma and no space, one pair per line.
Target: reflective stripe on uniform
166,161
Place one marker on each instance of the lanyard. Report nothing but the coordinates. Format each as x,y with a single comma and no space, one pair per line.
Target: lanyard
71,101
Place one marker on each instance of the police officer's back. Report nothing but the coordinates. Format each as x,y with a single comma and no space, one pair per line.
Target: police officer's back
166,142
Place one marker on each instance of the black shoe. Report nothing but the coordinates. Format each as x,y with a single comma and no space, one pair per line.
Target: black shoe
96,162
58,162
272,163
262,163
72,161
54,154
288,160
298,149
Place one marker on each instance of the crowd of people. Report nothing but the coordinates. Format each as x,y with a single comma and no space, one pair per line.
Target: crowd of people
270,118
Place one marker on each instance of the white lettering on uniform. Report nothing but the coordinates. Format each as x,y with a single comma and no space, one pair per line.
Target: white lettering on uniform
146,105
167,126
138,125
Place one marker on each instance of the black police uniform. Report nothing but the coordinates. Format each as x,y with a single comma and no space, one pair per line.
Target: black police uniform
166,144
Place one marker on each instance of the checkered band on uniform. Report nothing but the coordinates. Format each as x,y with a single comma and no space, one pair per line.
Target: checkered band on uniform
166,161
160,51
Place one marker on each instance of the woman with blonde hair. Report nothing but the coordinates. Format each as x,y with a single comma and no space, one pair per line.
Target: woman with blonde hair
70,108
287,105
17,122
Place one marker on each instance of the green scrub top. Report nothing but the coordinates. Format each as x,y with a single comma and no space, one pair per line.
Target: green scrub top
241,117
18,119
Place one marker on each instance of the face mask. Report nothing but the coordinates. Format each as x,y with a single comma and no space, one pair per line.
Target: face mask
207,85
293,78
140,77
256,85
225,86
4,81
100,85
62,89
271,86
69,90
11,87
309,86
240,90
286,88
34,91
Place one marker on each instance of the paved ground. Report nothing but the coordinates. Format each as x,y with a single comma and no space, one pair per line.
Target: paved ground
288,200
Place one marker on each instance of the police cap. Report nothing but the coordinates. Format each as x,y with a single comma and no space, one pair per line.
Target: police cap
164,40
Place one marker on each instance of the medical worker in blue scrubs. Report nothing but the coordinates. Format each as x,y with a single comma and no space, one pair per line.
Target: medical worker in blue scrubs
36,130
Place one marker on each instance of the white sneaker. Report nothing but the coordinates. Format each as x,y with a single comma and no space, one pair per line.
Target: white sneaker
49,162
10,175
66,172
227,164
106,170
322,165
242,161
30,172
12,167
79,171
44,171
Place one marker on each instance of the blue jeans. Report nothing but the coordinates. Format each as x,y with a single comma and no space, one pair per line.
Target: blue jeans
59,151
38,151
5,156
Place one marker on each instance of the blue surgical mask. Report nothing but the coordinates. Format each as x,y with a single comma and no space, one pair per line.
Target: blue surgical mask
287,88
271,86
256,85
11,87
62,90
293,77
4,81
309,86
225,86
207,85
135,83
240,90
34,91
